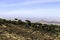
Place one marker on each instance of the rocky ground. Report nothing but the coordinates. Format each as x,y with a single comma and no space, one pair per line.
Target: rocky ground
17,32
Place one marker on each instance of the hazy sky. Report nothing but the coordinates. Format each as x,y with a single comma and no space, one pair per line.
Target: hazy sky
30,8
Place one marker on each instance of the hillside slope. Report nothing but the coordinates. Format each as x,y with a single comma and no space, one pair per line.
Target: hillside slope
18,32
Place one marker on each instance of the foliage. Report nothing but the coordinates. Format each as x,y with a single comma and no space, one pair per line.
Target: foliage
39,26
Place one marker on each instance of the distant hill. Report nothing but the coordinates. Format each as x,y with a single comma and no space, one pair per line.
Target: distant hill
40,20
49,22
43,20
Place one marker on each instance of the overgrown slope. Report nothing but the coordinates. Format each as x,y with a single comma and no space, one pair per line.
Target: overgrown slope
17,32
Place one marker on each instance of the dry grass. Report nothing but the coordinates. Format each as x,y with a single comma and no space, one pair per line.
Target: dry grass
17,32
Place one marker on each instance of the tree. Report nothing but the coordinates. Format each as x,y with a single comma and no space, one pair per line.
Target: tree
9,21
20,22
14,22
16,19
1,21
28,23
4,20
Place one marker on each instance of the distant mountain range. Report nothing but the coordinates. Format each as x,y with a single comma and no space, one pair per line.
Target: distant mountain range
41,20
44,21
49,22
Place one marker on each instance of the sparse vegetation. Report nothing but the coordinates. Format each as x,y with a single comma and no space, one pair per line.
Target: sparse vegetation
19,30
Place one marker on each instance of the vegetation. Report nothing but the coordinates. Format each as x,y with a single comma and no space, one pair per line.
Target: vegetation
38,30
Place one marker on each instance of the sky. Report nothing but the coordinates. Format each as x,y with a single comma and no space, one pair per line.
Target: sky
30,8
